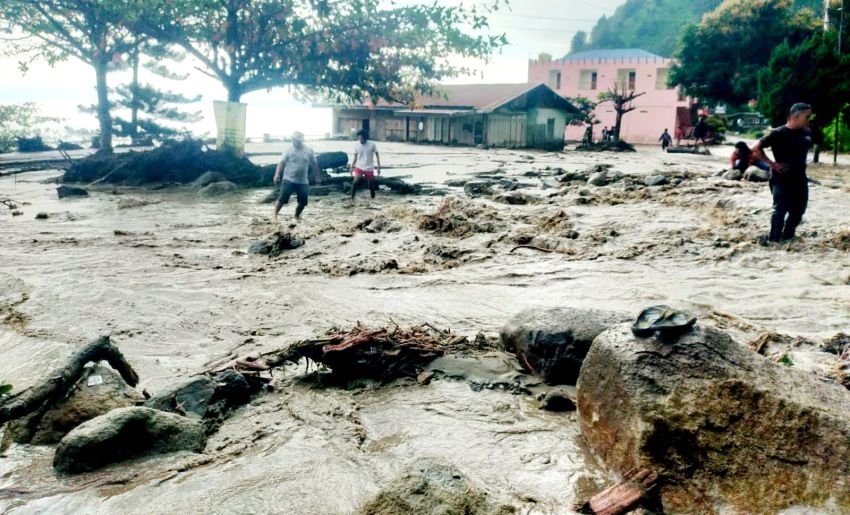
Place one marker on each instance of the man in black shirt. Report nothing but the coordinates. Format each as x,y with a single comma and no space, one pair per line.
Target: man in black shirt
788,182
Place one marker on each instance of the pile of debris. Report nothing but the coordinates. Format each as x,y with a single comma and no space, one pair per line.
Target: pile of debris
606,146
456,217
362,352
177,162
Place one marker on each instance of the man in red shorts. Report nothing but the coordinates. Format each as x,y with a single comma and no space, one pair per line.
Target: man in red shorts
363,164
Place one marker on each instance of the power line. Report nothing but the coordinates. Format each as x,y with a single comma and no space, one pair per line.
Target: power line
532,17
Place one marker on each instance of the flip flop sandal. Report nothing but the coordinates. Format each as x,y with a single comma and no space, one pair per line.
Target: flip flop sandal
664,320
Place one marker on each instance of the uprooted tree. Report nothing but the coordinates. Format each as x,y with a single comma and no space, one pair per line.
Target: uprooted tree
622,99
88,30
340,48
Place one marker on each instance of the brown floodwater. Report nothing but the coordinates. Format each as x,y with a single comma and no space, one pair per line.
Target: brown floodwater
166,274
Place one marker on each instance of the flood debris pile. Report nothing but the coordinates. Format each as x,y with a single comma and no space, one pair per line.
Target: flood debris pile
459,218
179,162
606,146
361,352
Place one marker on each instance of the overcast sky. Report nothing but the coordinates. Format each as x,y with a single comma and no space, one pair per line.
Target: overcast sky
532,27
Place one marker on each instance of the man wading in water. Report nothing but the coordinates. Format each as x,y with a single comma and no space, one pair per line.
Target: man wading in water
293,167
363,163
788,182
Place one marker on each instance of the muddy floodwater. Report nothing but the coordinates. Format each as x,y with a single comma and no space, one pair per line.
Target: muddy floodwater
167,275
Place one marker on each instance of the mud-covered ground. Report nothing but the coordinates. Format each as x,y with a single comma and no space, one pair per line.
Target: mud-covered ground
166,273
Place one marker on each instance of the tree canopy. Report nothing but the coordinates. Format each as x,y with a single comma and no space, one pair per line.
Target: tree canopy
89,30
811,72
342,48
720,59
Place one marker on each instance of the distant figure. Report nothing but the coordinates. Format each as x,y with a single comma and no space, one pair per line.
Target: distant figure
665,140
605,133
293,167
700,132
788,182
743,158
680,133
363,163
588,135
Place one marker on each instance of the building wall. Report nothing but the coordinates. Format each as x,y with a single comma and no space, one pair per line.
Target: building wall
656,110
546,127
507,130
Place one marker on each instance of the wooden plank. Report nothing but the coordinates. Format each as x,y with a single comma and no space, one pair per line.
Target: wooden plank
625,495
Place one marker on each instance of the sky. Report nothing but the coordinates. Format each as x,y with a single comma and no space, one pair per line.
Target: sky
531,26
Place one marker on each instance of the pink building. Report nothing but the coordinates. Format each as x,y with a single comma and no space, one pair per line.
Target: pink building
587,74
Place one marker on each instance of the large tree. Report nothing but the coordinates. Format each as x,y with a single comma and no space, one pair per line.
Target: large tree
622,99
347,48
811,72
720,59
53,30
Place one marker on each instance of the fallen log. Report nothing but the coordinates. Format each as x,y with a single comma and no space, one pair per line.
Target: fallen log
61,379
622,497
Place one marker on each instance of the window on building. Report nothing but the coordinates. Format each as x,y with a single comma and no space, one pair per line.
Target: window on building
587,79
662,75
555,79
626,78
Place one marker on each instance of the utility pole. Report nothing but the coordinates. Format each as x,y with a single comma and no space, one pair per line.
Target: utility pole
837,130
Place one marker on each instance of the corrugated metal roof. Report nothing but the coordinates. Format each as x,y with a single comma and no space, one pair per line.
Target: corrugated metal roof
485,97
612,53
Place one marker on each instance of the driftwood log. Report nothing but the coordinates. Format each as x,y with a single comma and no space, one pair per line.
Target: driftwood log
622,497
62,379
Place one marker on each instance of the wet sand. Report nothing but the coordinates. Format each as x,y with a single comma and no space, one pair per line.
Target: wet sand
166,274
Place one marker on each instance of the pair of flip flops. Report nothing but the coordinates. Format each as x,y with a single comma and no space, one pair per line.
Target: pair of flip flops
663,320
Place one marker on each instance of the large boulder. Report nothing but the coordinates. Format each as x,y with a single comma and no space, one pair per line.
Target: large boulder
728,430
205,397
552,342
217,189
755,174
126,433
733,175
98,391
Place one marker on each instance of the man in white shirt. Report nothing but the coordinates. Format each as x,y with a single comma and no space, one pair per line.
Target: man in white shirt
291,174
363,163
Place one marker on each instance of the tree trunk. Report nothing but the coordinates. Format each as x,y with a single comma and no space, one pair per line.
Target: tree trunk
60,380
618,124
103,114
234,92
134,96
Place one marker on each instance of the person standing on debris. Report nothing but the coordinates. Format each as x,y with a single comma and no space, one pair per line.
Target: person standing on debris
788,182
605,133
700,132
363,163
679,135
292,169
665,140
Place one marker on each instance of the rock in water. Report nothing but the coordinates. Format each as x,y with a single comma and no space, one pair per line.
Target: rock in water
755,174
42,216
434,488
478,188
598,179
733,175
722,425
208,178
99,390
656,180
552,342
207,398
71,191
276,244
217,189
126,433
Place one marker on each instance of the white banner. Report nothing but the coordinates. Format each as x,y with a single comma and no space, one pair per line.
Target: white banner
230,122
